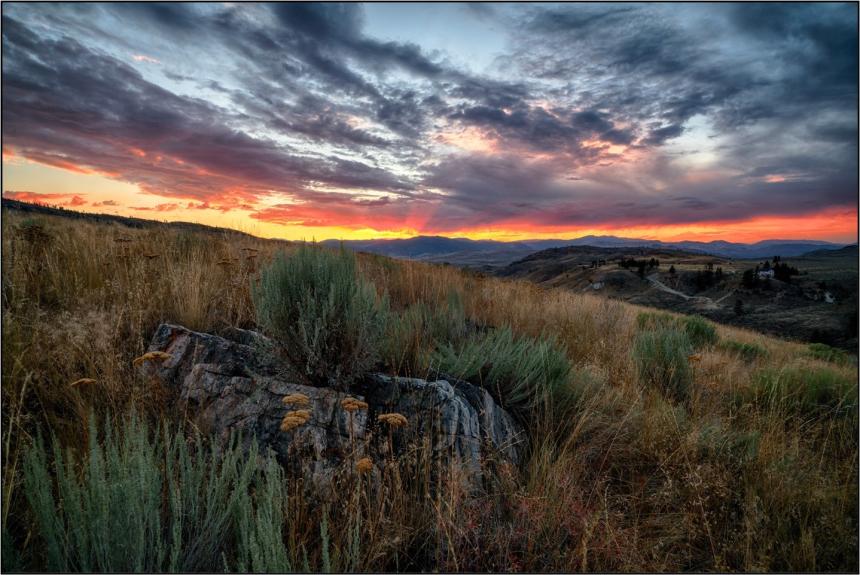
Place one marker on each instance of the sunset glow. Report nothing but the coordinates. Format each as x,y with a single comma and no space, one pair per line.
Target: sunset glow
382,129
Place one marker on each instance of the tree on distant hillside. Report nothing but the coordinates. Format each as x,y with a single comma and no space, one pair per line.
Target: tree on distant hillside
739,307
748,279
672,270
783,272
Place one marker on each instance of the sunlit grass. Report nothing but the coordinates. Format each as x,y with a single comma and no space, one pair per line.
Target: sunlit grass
747,462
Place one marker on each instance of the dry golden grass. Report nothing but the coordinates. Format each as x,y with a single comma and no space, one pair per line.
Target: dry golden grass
628,481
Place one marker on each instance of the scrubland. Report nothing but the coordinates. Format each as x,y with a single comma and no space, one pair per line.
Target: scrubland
657,442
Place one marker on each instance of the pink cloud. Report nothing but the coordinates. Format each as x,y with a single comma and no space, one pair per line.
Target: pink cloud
65,200
145,58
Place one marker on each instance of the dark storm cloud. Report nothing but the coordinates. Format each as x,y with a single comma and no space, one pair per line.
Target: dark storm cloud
308,100
64,104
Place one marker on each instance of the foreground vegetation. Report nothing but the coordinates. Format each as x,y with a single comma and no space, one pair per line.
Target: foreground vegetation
658,442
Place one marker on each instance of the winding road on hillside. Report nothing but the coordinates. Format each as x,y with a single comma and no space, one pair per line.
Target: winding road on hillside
705,301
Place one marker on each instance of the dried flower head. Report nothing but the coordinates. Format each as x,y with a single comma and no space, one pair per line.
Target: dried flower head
352,404
122,239
151,356
296,399
364,465
695,357
224,263
393,419
82,381
295,419
151,256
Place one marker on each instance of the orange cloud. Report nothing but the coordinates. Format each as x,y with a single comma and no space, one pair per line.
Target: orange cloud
168,207
69,200
837,224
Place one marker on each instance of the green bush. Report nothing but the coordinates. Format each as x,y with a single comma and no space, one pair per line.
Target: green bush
701,332
747,351
146,502
412,335
651,320
661,357
803,391
521,373
824,352
327,320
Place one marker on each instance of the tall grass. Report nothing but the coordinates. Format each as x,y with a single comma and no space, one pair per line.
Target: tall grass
749,352
522,373
804,391
412,335
752,472
700,331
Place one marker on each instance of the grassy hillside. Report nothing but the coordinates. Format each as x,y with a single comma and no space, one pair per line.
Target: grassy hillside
712,286
665,443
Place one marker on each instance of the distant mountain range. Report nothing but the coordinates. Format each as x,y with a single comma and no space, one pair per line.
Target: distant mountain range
463,251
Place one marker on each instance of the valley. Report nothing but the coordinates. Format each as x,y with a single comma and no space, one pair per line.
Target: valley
819,304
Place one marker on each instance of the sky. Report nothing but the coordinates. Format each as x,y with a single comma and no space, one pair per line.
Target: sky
494,121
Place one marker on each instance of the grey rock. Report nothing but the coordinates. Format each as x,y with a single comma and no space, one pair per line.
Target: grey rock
233,384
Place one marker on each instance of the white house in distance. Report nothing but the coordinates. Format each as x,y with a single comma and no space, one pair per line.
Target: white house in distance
765,274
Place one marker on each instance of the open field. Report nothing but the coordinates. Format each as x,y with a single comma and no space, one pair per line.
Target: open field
689,446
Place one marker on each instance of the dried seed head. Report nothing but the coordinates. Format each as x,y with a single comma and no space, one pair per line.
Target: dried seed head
352,404
393,419
695,358
151,356
296,399
363,465
151,256
295,419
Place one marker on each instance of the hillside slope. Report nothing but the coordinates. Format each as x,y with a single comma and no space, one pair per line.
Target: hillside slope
656,442
817,305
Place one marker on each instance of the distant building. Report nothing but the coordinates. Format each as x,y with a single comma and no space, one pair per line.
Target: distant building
765,274
597,285
828,297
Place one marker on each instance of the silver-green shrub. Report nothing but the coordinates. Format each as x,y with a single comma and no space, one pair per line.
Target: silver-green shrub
324,317
142,501
661,356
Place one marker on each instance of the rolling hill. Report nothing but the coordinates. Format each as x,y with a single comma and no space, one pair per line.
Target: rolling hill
483,253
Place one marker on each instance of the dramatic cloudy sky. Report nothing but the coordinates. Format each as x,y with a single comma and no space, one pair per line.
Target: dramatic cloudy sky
722,121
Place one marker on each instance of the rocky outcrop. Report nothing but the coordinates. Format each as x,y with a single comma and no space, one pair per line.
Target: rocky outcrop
235,383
